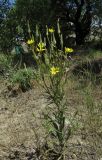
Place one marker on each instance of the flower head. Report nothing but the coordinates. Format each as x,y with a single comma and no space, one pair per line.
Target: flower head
51,30
41,47
68,50
54,70
30,41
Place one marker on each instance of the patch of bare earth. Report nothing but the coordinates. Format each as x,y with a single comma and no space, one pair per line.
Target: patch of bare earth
17,120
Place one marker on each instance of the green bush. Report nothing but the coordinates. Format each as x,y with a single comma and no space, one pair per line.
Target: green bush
5,60
23,77
5,64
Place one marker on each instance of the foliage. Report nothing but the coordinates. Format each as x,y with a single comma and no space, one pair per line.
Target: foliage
4,7
23,77
77,14
5,64
32,11
9,31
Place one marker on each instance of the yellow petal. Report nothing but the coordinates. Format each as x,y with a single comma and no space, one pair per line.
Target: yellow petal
51,30
68,50
54,70
30,41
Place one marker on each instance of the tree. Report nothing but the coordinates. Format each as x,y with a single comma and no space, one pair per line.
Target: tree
78,12
34,11
8,29
96,26
4,7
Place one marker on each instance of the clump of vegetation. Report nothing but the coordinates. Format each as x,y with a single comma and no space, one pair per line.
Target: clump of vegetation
5,64
23,77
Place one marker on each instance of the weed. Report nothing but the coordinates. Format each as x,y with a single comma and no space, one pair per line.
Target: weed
52,64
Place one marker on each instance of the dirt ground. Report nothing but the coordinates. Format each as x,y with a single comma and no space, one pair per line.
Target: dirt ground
19,119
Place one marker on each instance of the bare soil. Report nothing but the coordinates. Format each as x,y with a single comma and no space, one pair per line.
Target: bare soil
17,119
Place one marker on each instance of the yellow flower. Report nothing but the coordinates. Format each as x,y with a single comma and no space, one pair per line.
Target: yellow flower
54,70
51,30
41,47
30,41
68,50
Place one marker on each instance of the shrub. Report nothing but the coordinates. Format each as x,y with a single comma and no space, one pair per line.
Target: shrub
23,77
5,64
